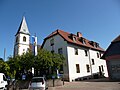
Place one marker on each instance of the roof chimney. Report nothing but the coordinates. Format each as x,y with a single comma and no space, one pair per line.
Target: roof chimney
79,34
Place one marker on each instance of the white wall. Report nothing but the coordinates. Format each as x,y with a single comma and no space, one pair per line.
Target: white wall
98,62
21,46
72,59
82,60
58,43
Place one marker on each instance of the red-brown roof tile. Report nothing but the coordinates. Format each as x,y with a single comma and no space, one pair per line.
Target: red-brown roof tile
65,36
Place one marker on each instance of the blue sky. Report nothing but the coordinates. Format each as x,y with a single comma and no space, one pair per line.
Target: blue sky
97,20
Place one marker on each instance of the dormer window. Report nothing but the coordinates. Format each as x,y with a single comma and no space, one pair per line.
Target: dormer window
74,39
91,43
96,45
82,40
24,39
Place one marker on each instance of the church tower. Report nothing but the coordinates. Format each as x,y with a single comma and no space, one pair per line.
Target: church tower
22,39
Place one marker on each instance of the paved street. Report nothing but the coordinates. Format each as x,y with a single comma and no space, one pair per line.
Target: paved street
95,84
88,86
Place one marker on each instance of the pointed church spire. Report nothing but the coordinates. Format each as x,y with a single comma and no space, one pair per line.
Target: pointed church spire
23,27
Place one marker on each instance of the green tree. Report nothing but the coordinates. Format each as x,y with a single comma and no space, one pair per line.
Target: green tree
14,65
4,67
26,61
46,60
20,63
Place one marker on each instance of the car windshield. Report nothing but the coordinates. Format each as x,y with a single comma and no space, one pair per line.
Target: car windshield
37,80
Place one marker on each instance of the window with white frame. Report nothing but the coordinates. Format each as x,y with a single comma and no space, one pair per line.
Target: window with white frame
93,62
60,51
76,51
77,68
86,52
24,39
88,68
52,42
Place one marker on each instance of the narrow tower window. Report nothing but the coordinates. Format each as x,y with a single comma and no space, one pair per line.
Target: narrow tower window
24,39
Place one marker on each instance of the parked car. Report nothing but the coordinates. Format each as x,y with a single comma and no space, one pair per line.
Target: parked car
38,83
3,82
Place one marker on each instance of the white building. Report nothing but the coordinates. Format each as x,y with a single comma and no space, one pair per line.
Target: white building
22,39
82,56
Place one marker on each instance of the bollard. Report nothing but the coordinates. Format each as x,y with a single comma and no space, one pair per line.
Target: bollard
53,82
63,81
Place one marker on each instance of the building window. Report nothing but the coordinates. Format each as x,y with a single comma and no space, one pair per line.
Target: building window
100,55
77,68
102,67
86,53
97,55
52,51
93,62
24,39
88,68
76,51
60,51
52,42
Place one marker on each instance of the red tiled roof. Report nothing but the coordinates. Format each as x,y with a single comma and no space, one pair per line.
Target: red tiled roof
65,36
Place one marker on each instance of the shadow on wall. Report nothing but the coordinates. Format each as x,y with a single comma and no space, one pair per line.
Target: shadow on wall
94,76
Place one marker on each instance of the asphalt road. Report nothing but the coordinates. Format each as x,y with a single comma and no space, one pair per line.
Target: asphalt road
96,84
88,86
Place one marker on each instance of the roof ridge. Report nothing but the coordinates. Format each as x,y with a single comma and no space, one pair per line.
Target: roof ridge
65,36
116,39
